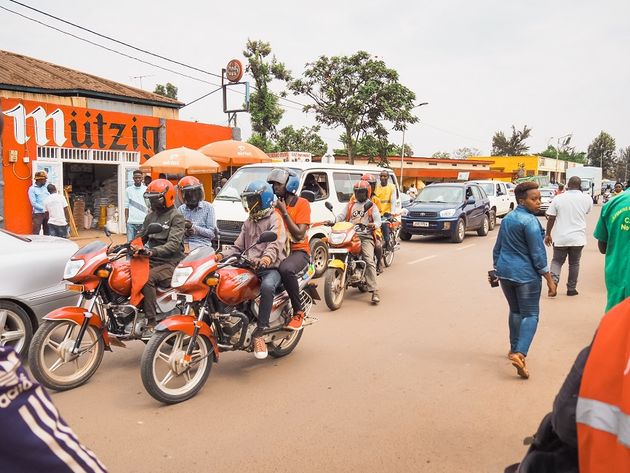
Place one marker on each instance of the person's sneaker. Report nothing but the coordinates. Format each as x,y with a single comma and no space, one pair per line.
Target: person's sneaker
296,321
260,348
518,361
572,292
375,298
379,269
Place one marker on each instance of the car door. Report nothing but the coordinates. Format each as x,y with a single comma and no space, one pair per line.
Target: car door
472,217
503,205
480,204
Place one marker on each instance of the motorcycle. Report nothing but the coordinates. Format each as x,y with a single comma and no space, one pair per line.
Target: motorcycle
346,267
222,301
394,239
606,196
69,345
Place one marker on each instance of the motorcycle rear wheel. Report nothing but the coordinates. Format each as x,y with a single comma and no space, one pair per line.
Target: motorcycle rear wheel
334,288
162,359
285,346
50,359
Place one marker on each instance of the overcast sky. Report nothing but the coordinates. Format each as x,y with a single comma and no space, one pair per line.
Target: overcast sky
557,66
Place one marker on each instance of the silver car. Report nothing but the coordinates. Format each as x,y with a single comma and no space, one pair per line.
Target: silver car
31,285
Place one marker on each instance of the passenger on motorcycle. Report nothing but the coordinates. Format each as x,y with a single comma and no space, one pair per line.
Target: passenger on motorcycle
257,199
386,192
201,224
378,241
296,214
371,219
165,249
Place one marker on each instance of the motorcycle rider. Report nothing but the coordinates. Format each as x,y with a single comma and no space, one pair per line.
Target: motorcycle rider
378,241
164,249
355,213
201,223
296,215
257,199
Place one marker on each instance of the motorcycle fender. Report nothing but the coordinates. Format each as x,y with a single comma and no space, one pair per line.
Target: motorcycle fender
337,264
186,324
77,315
311,290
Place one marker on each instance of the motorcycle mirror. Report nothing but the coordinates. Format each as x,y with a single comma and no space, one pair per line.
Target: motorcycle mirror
368,205
267,237
152,229
329,206
108,234
308,195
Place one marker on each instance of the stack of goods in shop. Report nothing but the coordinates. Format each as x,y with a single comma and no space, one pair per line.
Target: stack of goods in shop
78,209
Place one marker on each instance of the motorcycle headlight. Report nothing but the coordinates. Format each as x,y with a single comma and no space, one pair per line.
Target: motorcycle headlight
180,276
337,238
72,268
447,213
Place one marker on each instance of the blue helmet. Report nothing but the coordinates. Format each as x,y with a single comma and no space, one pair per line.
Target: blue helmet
257,196
285,177
292,184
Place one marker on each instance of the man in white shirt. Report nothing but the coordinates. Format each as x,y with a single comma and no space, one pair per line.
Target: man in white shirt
57,208
566,230
135,206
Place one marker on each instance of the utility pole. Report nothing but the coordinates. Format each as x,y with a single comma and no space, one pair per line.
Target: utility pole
402,149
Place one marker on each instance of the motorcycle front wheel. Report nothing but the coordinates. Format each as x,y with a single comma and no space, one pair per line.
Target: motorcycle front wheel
334,288
166,376
51,359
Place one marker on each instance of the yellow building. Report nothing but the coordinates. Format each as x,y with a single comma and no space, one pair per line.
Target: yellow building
523,166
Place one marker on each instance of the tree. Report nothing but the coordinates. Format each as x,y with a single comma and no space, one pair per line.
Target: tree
514,146
441,155
356,93
566,154
376,149
303,139
622,165
465,153
601,152
262,142
265,113
168,90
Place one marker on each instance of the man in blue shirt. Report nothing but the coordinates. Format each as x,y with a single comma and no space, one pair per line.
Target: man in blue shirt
135,207
201,224
37,193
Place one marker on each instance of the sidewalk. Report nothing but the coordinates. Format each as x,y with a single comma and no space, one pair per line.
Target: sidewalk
88,236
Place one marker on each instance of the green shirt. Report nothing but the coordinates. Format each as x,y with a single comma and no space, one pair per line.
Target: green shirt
613,228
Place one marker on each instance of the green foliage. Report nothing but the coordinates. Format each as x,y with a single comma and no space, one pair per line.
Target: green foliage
565,154
601,152
514,146
168,90
441,155
265,144
622,165
465,153
303,139
265,113
376,149
356,93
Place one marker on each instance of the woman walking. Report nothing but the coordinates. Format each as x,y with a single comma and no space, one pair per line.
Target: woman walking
520,260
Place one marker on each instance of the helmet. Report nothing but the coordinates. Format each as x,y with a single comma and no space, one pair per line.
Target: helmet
190,191
160,194
284,177
371,179
362,190
257,198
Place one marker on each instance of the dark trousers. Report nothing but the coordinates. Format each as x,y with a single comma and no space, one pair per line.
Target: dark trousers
385,230
58,230
157,274
40,221
293,264
269,281
560,254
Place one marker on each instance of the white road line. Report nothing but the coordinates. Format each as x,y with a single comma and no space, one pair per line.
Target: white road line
464,247
422,259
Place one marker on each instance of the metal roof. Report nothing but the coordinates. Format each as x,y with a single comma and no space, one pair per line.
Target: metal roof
25,74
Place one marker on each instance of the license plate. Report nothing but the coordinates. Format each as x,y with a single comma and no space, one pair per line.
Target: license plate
420,224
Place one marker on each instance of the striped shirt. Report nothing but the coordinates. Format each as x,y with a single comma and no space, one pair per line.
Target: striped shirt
204,224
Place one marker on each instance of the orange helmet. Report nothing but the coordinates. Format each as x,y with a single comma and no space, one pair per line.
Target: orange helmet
362,190
190,191
371,179
160,194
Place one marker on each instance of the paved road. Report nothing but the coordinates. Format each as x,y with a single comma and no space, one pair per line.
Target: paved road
420,383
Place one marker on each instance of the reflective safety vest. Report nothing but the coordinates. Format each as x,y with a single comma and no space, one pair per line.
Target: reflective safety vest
603,407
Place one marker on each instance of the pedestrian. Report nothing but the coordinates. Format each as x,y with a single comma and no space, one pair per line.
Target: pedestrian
560,189
613,240
201,223
135,207
566,231
520,260
412,192
147,179
56,206
37,193
220,186
617,190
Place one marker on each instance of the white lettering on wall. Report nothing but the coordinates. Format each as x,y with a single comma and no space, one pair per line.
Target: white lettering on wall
40,119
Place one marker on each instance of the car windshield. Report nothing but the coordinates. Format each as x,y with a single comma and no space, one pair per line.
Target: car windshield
234,187
487,186
441,194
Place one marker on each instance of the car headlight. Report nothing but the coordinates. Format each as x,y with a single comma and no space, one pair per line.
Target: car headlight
447,213
180,276
72,268
337,238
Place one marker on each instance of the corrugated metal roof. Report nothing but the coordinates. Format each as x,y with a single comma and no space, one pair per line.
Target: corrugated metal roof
27,74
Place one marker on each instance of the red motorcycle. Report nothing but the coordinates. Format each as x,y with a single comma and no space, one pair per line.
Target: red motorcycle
69,345
222,300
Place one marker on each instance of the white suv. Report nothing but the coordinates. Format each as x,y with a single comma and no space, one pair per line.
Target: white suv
501,200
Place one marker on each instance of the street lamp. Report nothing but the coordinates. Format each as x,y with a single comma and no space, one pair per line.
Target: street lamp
568,135
402,149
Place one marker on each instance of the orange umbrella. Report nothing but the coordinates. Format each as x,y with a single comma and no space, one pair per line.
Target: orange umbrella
234,153
180,161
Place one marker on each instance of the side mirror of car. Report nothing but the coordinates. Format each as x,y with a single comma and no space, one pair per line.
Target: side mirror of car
267,237
152,229
308,195
470,201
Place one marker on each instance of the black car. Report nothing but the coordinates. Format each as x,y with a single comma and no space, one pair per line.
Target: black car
448,209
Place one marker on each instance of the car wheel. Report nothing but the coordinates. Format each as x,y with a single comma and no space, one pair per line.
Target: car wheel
459,232
404,236
492,221
16,329
319,254
485,226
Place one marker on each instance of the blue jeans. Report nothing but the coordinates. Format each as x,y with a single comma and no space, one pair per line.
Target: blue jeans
58,230
524,302
133,229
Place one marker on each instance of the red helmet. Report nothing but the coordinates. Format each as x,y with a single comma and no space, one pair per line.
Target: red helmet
371,179
160,194
362,190
190,191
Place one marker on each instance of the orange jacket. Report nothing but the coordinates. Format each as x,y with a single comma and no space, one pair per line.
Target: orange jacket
603,407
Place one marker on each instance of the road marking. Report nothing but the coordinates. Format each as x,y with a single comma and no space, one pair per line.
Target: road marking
464,247
422,259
